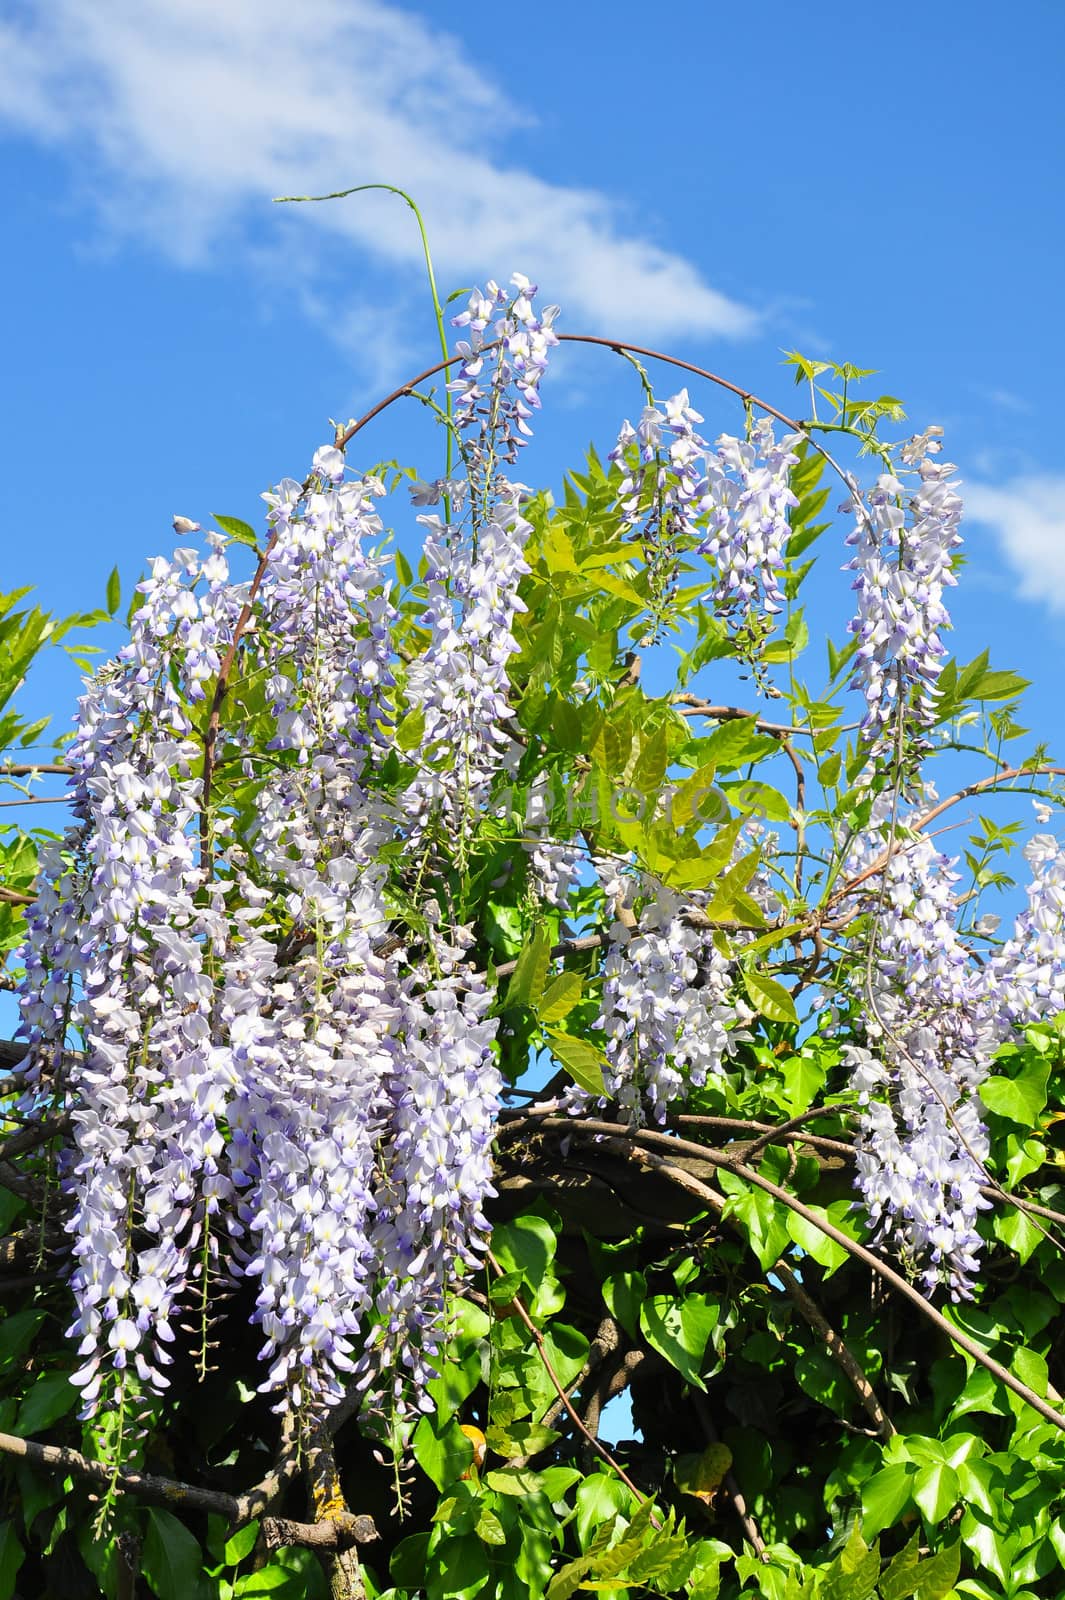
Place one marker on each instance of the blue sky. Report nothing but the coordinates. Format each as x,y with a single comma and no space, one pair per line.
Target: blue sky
876,184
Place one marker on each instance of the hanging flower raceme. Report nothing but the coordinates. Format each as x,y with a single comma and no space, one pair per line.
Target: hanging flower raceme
669,1013
904,543
148,1093
443,1093
497,387
749,494
1026,978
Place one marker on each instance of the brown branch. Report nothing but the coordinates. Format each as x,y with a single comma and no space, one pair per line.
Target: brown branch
837,1348
695,707
586,941
32,1138
626,1141
336,1533
992,781
26,769
145,1486
803,1301
40,800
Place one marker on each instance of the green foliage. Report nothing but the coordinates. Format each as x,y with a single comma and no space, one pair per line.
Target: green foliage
756,1463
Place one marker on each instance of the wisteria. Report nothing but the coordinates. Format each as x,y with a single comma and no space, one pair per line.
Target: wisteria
923,1141
670,1009
905,539
730,503
268,967
935,1018
749,491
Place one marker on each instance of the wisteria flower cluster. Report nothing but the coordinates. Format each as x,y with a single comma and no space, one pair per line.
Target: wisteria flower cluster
730,503
272,1091
935,1018
904,542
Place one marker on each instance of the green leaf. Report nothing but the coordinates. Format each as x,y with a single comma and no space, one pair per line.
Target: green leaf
935,1490
171,1560
770,998
16,1332
679,1330
940,1572
825,1251
584,1062
525,1245
278,1581
560,997
238,530
1019,1099
901,1577
458,1570
409,1560
241,1544
114,592
411,730
529,976
764,1218
51,1397
442,1450
624,1294
1017,1230
524,1438
885,1496
12,1556
804,1077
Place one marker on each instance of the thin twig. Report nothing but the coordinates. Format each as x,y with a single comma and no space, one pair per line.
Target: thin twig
559,1388
623,1139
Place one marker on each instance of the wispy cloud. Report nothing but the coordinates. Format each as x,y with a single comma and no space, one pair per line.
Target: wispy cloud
1027,515
183,117
1006,400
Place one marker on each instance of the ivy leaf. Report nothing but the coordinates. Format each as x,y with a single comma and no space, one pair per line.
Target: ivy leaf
172,1560
935,1490
885,1496
1019,1099
679,1330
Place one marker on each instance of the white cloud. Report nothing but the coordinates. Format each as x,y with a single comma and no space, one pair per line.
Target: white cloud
1027,515
184,117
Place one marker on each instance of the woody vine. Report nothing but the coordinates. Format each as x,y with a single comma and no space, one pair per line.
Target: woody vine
394,906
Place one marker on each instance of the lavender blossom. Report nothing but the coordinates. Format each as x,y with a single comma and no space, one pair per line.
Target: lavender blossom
903,564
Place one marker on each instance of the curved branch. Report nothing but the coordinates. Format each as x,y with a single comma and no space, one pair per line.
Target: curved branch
638,1143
